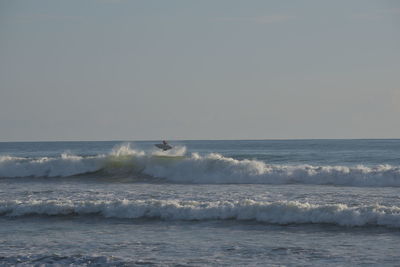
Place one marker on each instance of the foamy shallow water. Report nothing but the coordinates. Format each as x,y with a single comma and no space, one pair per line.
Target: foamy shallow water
204,204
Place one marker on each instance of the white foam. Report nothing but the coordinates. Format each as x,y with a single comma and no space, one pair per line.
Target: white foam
126,150
282,212
65,165
212,168
215,168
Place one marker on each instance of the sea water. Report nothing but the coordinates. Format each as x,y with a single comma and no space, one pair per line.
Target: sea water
203,203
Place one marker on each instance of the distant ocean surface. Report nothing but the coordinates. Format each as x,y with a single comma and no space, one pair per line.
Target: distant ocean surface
203,203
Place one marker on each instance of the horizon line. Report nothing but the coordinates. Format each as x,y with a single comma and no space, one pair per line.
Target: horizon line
180,140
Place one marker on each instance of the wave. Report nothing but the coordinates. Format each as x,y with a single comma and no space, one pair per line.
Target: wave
66,165
280,212
215,168
176,166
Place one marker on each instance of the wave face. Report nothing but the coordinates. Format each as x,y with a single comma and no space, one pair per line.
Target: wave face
66,165
213,168
281,212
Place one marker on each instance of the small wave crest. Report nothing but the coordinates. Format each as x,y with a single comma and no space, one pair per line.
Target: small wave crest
280,212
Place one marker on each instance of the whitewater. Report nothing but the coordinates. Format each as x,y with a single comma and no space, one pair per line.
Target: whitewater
203,203
175,166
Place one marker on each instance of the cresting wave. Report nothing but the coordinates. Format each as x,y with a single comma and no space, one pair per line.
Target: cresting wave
174,166
281,212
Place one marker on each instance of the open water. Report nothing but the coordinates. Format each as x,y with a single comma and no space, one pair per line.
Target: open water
204,203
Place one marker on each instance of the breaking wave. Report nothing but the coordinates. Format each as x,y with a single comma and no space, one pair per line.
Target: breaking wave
281,212
176,166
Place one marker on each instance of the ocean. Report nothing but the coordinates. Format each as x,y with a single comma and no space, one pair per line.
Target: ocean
203,203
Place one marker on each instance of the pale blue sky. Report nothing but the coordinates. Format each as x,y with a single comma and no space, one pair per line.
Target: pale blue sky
140,70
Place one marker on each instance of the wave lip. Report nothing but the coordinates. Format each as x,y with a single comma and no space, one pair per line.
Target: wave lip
280,212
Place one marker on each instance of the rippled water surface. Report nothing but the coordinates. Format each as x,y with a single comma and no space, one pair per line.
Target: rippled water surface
303,202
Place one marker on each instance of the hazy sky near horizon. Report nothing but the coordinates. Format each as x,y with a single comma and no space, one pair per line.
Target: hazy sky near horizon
220,69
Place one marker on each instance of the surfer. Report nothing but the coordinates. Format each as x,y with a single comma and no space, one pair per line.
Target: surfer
164,146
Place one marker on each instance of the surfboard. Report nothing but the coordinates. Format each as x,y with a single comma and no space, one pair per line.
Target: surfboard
164,147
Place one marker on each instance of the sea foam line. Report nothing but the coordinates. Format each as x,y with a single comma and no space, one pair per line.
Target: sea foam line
280,212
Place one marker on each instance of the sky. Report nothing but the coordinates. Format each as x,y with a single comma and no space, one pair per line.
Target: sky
210,69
